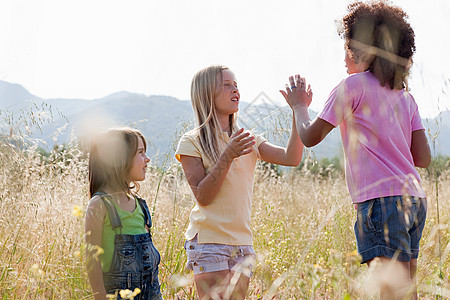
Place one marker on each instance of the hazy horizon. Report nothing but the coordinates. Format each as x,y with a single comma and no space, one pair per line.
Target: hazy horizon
91,49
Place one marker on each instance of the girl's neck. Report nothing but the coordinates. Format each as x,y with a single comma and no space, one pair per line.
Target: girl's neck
122,199
225,124
117,194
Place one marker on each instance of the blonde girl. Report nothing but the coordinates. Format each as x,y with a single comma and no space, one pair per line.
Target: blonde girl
120,252
219,160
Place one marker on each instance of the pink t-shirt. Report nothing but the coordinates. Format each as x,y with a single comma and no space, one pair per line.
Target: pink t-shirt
376,126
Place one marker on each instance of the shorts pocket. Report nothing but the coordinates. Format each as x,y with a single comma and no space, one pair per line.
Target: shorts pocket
193,249
369,214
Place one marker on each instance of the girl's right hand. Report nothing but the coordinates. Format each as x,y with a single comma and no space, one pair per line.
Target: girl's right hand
240,144
297,94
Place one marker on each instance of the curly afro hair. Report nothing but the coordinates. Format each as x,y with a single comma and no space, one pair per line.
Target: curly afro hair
379,33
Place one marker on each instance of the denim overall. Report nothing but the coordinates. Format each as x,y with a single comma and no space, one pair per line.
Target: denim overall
135,259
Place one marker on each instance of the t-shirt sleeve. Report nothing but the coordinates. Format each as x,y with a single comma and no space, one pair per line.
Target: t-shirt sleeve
416,120
339,105
187,146
259,140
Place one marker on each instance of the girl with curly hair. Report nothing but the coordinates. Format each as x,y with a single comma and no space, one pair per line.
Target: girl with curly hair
383,139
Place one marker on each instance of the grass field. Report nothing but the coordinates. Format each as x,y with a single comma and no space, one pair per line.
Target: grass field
302,225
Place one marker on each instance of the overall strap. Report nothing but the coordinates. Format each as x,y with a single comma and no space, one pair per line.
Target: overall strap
145,210
112,211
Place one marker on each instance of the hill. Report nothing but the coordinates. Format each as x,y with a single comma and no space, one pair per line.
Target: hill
163,118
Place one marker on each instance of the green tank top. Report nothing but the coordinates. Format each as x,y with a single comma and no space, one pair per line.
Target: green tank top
132,223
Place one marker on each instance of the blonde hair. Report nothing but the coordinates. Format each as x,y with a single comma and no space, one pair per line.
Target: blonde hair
111,158
205,87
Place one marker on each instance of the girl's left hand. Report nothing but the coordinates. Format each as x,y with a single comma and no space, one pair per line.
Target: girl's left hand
297,94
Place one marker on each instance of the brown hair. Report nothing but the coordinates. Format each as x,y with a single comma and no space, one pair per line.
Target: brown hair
110,159
380,34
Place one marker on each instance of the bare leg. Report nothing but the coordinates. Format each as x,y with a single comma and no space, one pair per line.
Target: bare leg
393,278
412,275
237,287
221,285
210,285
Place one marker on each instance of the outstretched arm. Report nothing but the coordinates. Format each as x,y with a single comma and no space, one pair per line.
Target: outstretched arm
289,156
311,132
206,186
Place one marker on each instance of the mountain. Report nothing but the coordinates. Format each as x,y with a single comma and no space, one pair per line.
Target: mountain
15,96
162,119
158,117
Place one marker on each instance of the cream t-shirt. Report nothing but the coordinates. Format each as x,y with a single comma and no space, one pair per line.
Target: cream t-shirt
226,220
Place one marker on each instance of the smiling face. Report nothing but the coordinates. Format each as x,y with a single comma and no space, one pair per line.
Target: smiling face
140,160
227,101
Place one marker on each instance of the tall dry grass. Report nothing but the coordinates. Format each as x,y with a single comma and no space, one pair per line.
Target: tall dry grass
302,225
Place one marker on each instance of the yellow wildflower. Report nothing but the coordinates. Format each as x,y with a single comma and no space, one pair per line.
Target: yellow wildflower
125,294
135,292
77,211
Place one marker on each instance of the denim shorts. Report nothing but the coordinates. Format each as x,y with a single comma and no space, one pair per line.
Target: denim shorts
391,227
205,258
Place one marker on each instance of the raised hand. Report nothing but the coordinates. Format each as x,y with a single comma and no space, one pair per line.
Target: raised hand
240,144
297,94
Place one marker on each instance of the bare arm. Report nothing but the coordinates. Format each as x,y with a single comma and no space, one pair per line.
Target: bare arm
206,187
420,149
289,156
95,214
311,132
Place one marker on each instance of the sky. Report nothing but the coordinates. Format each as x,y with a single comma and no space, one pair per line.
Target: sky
90,49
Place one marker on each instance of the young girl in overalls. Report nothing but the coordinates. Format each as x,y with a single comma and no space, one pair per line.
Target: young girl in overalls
120,252
383,139
219,160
